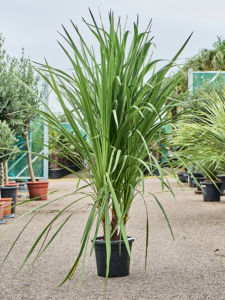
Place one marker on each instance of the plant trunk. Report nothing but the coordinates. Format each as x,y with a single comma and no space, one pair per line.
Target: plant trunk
174,113
113,225
25,136
1,175
6,172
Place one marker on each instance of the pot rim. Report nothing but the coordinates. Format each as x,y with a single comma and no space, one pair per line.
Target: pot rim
5,199
36,182
210,183
9,187
130,240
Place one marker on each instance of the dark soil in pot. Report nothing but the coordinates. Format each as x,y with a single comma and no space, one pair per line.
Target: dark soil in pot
119,264
210,191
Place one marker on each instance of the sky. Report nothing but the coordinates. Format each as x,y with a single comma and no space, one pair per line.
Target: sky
34,25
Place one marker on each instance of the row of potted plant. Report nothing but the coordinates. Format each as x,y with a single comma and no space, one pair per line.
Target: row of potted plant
201,139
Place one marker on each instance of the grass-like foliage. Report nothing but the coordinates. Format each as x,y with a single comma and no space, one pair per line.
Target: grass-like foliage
121,102
201,138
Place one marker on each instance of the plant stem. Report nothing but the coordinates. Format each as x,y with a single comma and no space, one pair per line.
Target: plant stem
25,136
6,172
113,225
1,175
103,225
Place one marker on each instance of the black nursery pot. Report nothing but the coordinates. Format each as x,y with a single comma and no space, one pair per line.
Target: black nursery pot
210,192
194,175
119,265
189,179
222,178
10,192
181,176
192,182
185,175
55,173
199,179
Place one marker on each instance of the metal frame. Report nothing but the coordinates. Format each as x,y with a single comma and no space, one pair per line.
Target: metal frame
190,77
46,132
190,80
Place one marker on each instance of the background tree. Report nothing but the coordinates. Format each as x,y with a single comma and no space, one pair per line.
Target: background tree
207,60
9,102
7,147
29,101
18,104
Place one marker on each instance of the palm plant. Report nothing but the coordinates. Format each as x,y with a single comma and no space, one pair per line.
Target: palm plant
201,138
212,59
120,102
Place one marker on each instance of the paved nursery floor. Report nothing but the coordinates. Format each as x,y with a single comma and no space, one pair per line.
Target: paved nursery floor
192,267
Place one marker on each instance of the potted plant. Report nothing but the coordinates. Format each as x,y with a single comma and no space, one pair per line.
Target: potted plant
202,137
211,186
62,154
120,106
9,102
29,95
7,150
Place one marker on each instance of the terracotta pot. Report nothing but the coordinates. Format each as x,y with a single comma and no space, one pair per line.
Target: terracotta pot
1,210
7,208
38,189
11,182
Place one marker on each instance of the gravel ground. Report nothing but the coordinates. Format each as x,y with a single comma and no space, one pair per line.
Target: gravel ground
188,268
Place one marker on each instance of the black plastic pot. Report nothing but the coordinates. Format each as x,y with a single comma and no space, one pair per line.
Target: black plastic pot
155,172
192,182
185,175
119,264
10,192
64,172
222,178
210,191
55,173
195,175
199,179
189,179
181,176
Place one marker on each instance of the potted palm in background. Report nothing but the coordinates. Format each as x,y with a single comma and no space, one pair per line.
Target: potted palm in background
18,105
120,102
202,137
29,95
